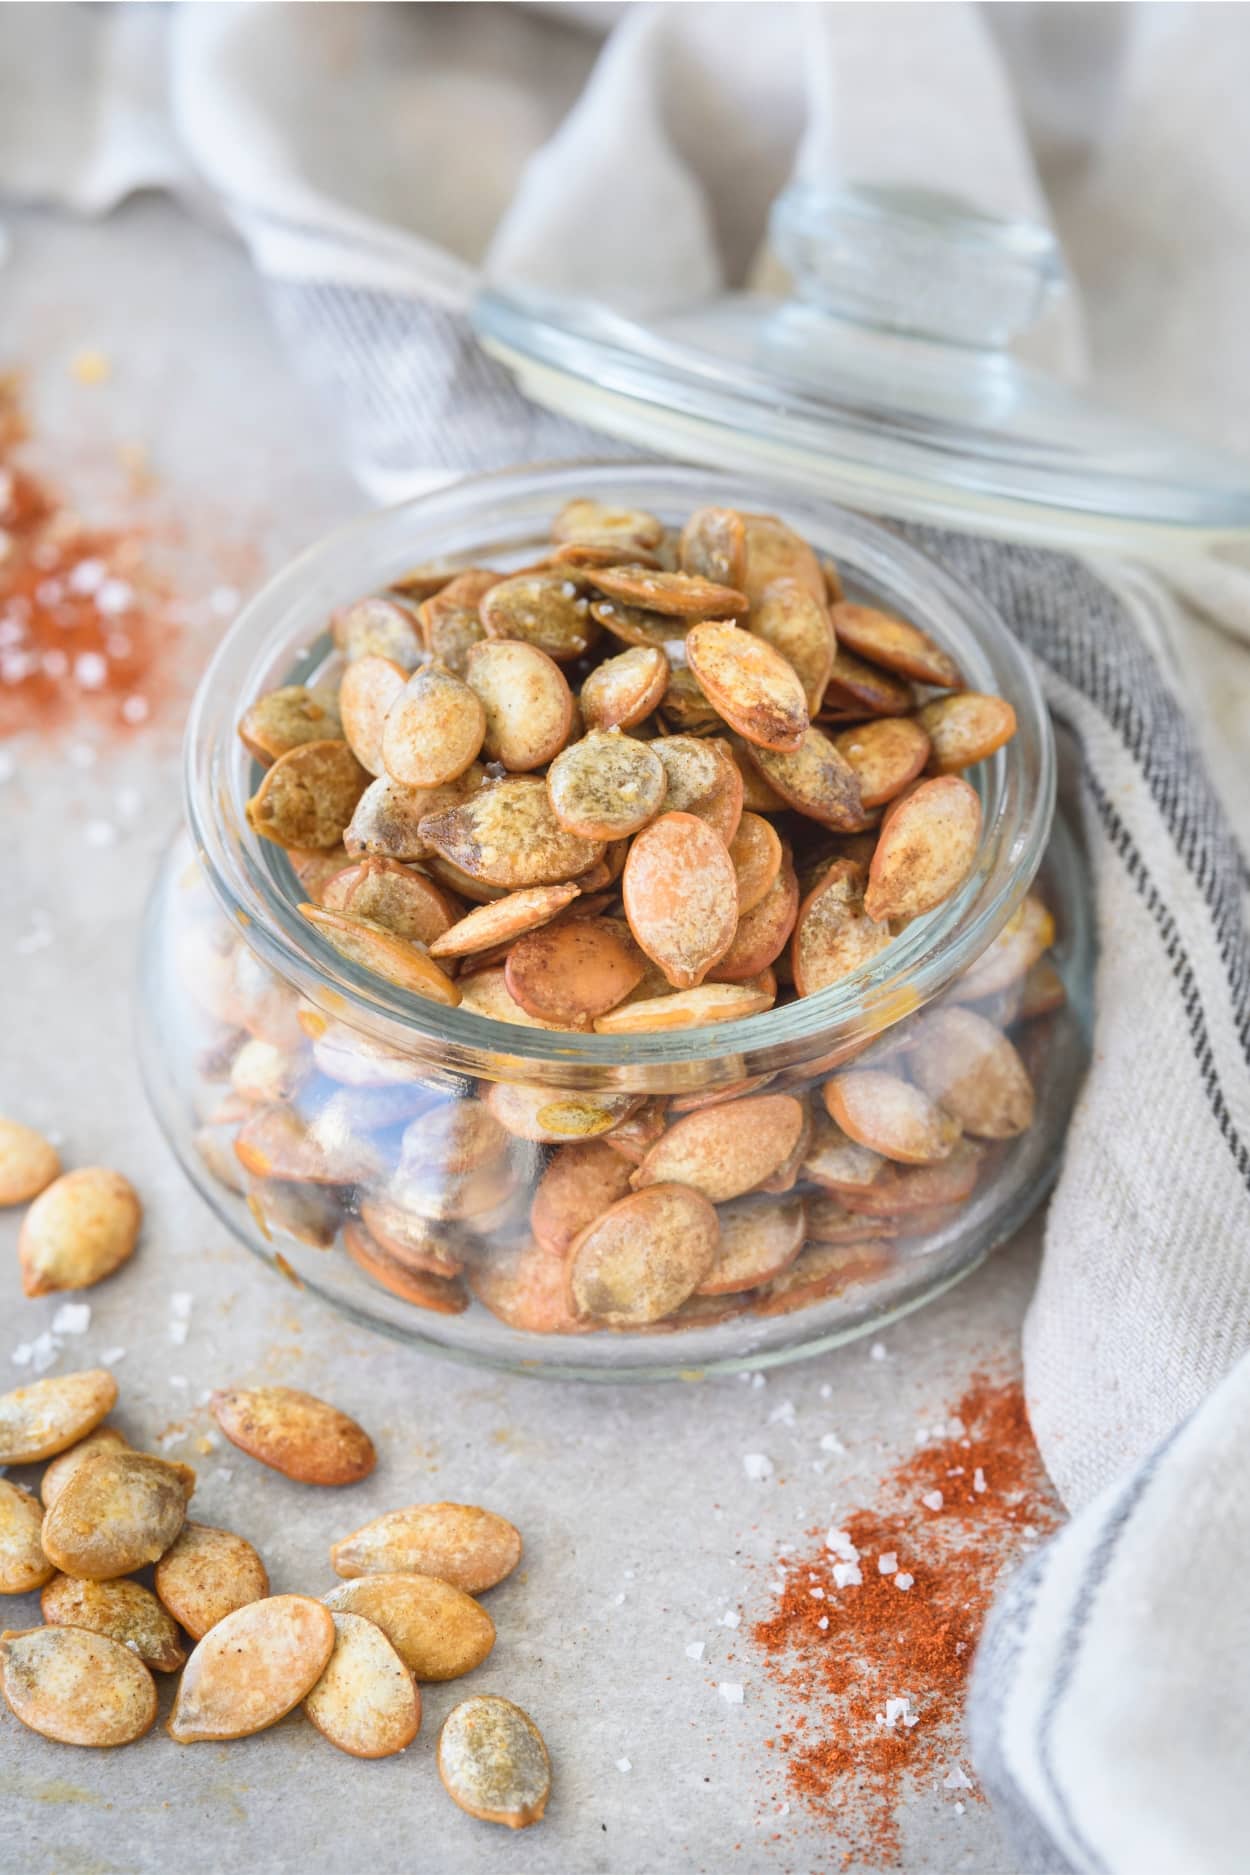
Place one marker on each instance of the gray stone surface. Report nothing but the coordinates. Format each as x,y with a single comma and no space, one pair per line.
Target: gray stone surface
641,1527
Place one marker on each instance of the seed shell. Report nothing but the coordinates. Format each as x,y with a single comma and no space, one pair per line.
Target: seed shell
308,797
365,1701
527,700
504,920
890,1116
206,1574
757,1242
623,690
681,897
726,1151
377,627
714,546
28,1162
968,1065
756,691
886,754
863,689
251,1668
433,730
125,1611
282,719
493,1762
118,1511
295,1433
23,1565
579,1185
926,849
892,642
570,973
606,786
644,1256
817,780
834,934
756,854
473,1549
677,595
388,815
703,779
370,688
79,1230
687,1009
965,729
48,1416
437,1630
75,1687
373,947
796,624
62,1469
548,609
507,835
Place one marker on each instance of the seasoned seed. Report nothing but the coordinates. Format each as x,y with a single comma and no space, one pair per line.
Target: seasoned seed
643,1256
824,1270
49,1416
549,610
283,719
206,1574
437,1630
886,754
442,1295
817,780
414,1242
451,618
62,1469
377,627
892,642
276,1143
726,1151
315,870
388,815
756,854
454,1136
486,993
75,1687
370,688
703,779
683,707
834,591
391,894
23,1565
926,849
713,546
583,518
762,933
493,1762
125,1611
118,1511
749,683
295,1433
774,551
968,1065
528,703
310,1214
634,625
262,1072
578,1186
308,797
676,595
681,897
908,1188
504,921
965,729
433,730
757,1242
796,624
79,1230
834,934
570,973
507,835
370,945
837,1162
550,1118
829,1221
365,1702
890,1116
424,580
687,1009
1027,934
864,689
717,1096
251,1668
527,1289
353,1059
1042,992
473,1549
623,690
606,786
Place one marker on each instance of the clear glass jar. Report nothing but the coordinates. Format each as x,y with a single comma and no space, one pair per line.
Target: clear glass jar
358,1066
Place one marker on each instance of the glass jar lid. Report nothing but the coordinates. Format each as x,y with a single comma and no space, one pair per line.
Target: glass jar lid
886,381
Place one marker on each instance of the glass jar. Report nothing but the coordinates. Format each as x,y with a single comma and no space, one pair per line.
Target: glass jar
367,1172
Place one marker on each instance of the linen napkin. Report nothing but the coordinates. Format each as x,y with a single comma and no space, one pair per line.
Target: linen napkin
379,163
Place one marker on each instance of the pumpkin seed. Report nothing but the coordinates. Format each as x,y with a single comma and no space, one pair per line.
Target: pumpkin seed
1027,934
23,1565
370,688
551,1118
644,1255
309,1213
676,595
749,684
683,707
125,1611
295,1433
578,1186
377,627
442,1295
527,1289
817,780
206,1574
508,836
606,786
79,1230
308,797
282,719
471,1548
315,870
388,815
906,1188
829,1221
262,1072
966,729
926,849
455,1136
251,1668
493,1762
118,1511
795,623
686,1009
391,894
726,1151
634,625
437,1630
586,519
507,919
486,993
75,1687
423,581
970,1066
862,689
703,779
62,1469
365,1702
451,618
623,691
834,934
28,1162
717,1096
892,642
763,933
275,1142
528,704
891,1117
834,590
433,731
885,754
570,973
370,945
714,546
681,897
774,551
756,854
549,610
49,1416
824,1270
838,1163
757,1242
412,1241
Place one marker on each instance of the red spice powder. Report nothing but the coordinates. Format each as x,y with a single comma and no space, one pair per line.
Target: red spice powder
87,625
849,1755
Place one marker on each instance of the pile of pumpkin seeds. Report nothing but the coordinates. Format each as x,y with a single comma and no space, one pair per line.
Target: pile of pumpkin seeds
405,1610
657,780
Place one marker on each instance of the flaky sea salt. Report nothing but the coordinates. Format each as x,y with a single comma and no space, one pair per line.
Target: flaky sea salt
887,1562
932,1500
114,597
90,670
978,1480
878,1351
902,1580
694,1650
135,709
782,1414
72,1318
623,1764
100,833
757,1466
830,1442
180,1305
846,1575
731,1618
731,1692
839,1543
823,1622
826,1391
956,1780
111,1356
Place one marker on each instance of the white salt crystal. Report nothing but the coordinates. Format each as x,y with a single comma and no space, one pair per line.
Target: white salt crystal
823,1622
694,1650
959,1809
135,709
731,1618
830,1442
839,1542
179,1380
90,670
72,1318
757,1466
846,1575
978,1480
818,1595
895,1709
782,1415
100,833
887,1562
22,1354
758,1380
826,1393
618,1601
8,767
111,1356
43,1351
902,1580
623,1764
878,1351
731,1692
956,1780
932,1500
114,597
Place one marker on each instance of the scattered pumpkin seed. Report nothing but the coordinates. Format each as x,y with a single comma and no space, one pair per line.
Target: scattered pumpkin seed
365,1702
473,1549
48,1416
76,1687
62,1468
251,1668
118,1511
438,1631
295,1433
206,1574
493,1762
23,1565
28,1162
79,1230
124,1610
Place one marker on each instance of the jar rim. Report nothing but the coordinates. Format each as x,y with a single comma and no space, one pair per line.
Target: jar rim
279,637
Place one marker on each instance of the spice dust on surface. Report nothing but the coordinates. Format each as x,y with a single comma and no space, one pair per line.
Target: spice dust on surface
874,1623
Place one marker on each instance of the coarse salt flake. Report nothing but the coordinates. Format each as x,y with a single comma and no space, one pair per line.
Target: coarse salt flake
978,1480
846,1575
823,1622
623,1764
135,709
902,1580
817,1595
72,1318
731,1692
731,1618
887,1562
114,597
100,833
757,1466
830,1442
783,1414
878,1351
90,670
840,1544
956,1779
932,1500
694,1650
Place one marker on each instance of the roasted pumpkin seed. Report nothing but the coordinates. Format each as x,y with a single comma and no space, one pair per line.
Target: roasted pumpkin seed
623,691
23,1565
125,1611
578,1186
549,610
890,1116
606,786
388,815
28,1162
473,1549
644,1255
528,703
714,546
295,1433
703,779
282,719
79,1230
833,934
966,729
373,947
757,1242
308,797
886,754
75,1687
251,1668
369,690
504,921
49,1416
508,836
686,1009
433,730
438,1631
118,1511
756,691
62,1468
681,897
726,1151
493,1762
570,973
817,780
926,849
377,627
968,1065
795,623
892,642
365,1702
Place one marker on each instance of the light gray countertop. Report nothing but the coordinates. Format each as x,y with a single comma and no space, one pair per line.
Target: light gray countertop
641,1528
